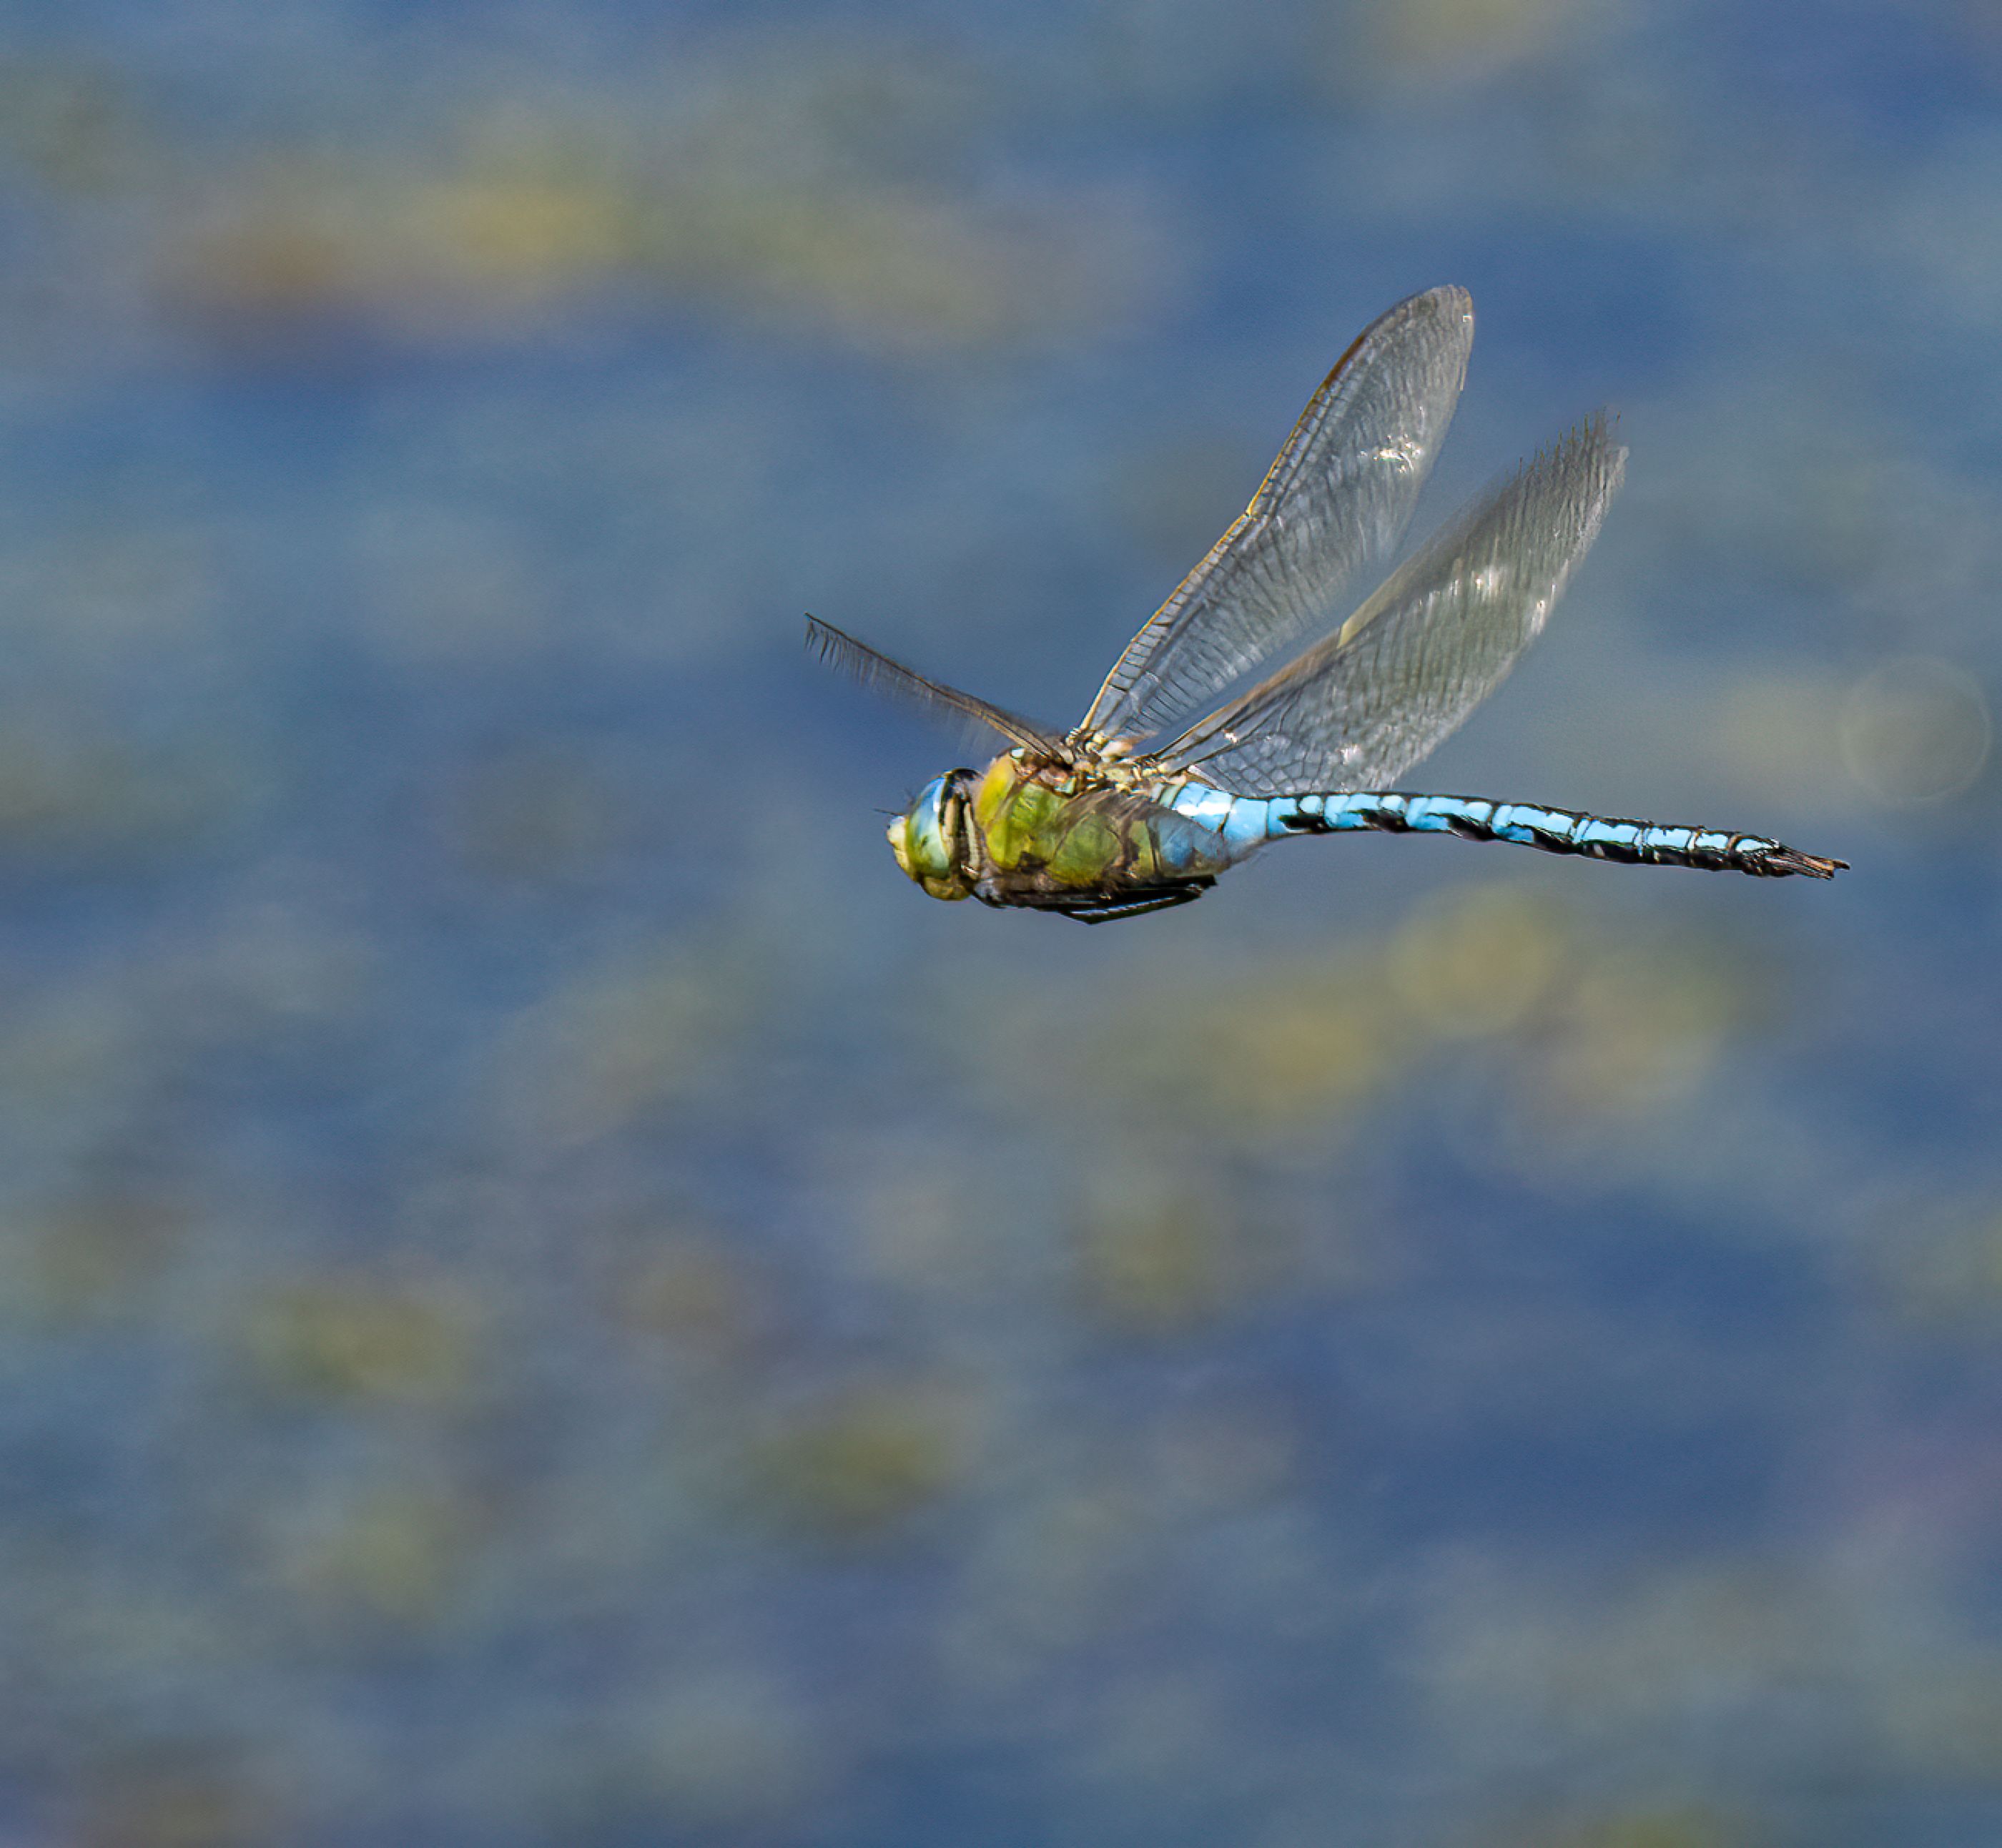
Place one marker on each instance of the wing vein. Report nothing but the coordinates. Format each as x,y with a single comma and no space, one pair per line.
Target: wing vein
875,669
1403,673
1336,498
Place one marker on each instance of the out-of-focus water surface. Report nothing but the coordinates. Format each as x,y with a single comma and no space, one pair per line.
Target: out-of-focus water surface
546,1295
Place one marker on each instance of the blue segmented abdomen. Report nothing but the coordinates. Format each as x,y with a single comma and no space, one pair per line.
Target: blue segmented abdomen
1245,822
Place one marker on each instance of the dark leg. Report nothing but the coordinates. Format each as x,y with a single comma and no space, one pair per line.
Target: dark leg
1138,905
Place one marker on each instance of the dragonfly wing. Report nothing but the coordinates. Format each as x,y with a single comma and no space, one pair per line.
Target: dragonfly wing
1176,844
1339,496
1404,672
873,669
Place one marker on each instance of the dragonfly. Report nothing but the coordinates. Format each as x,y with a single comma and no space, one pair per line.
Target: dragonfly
1158,789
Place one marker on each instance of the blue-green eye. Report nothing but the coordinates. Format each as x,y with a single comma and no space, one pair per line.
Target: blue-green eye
930,838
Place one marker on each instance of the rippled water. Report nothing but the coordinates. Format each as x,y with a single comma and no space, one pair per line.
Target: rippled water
547,1294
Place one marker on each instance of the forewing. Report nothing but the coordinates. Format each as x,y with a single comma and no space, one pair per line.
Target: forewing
1357,709
1338,498
873,669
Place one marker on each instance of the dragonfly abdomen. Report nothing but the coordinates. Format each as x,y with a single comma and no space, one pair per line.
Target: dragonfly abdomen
1523,823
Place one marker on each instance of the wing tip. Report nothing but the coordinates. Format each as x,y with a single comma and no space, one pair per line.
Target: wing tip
1449,300
1452,299
1452,306
1589,447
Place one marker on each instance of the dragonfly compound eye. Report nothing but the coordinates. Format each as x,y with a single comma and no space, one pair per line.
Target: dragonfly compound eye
930,838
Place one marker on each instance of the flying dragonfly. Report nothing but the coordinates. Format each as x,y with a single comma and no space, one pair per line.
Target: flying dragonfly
1102,821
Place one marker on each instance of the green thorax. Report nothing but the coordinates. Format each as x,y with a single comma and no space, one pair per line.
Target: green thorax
1079,829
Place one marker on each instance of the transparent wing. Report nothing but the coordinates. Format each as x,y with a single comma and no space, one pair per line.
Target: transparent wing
1339,496
873,669
1355,710
1181,843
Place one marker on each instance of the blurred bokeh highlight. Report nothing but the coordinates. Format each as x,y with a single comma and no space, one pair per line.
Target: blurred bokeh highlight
547,1296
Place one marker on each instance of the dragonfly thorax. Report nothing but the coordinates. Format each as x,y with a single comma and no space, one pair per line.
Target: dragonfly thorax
931,840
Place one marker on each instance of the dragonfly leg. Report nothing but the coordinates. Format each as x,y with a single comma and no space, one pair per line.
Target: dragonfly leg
1140,905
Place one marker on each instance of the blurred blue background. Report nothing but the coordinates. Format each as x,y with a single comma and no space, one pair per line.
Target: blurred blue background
546,1295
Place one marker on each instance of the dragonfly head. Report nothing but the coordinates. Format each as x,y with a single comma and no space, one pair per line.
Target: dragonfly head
930,838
